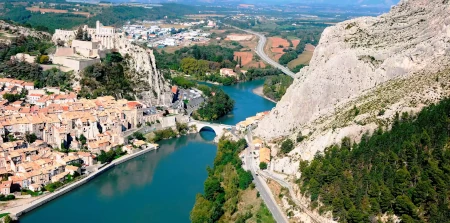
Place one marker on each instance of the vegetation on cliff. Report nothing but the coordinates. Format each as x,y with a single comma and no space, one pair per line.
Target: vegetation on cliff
224,188
22,70
275,87
22,44
107,78
404,171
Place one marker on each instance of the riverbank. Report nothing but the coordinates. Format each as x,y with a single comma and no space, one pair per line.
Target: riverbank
144,182
17,211
259,91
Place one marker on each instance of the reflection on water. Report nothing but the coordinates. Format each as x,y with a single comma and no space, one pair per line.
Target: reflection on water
140,170
159,181
159,186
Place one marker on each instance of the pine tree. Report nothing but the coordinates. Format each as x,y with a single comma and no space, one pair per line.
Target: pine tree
80,34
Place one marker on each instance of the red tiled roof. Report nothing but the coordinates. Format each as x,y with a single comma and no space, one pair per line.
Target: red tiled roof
174,89
133,104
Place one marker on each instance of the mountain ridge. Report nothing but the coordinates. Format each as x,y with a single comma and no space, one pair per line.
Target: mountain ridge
338,94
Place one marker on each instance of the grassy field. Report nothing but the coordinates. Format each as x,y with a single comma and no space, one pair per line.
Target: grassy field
303,58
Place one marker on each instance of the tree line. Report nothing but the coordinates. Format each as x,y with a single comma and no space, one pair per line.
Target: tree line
107,78
275,86
114,15
222,189
404,171
217,105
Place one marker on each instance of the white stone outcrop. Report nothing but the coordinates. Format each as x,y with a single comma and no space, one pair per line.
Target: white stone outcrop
149,82
142,64
353,61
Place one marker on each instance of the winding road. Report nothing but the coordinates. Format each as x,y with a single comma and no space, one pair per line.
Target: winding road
260,51
261,185
264,190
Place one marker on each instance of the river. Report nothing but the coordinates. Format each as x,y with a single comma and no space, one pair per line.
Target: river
159,186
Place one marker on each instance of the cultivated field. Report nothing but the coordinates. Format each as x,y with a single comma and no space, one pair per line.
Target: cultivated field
44,10
277,41
303,58
246,57
273,49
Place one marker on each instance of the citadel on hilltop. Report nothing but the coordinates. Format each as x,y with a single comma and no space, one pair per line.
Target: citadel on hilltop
103,34
78,54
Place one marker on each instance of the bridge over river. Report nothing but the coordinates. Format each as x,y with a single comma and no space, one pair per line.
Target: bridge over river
216,127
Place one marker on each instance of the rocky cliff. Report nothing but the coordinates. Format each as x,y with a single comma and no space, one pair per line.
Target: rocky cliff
148,80
364,71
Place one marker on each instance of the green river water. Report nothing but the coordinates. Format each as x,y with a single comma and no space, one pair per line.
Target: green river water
159,186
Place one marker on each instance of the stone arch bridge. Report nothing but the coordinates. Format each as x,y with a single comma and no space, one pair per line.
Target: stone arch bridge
217,128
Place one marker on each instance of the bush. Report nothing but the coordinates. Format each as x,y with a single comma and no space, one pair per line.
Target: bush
287,146
53,186
44,59
7,198
287,57
262,165
300,137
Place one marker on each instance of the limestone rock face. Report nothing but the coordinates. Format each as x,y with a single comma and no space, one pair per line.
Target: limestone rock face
142,64
150,84
356,58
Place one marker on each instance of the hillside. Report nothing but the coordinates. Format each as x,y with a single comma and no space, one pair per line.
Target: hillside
404,171
362,72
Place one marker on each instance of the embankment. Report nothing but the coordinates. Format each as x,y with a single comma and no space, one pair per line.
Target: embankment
16,212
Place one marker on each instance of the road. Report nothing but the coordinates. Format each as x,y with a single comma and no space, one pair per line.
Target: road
261,185
260,51
268,175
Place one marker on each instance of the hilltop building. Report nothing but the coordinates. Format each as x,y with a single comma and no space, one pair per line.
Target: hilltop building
79,54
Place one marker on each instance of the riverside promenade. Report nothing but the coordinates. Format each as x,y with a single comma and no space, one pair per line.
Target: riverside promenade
16,212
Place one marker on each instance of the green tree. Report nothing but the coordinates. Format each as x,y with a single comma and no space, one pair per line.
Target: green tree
403,205
79,34
189,65
44,59
82,139
212,188
30,137
114,57
201,212
287,146
262,165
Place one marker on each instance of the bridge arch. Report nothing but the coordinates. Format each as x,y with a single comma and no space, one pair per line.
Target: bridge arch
207,128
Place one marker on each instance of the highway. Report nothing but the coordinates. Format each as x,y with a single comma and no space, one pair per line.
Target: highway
261,185
260,51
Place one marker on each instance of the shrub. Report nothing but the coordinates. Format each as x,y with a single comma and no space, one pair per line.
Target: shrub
262,165
287,146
